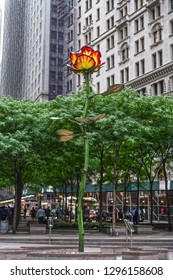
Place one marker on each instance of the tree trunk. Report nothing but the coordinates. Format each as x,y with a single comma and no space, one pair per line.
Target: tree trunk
151,202
167,198
17,204
114,191
137,197
101,192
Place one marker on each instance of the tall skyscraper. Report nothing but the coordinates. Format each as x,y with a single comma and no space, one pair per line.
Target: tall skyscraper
134,37
13,46
33,48
0,32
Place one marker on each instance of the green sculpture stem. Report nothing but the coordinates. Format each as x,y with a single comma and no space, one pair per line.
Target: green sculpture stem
85,169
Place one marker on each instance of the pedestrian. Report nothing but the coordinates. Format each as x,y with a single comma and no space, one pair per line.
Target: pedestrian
120,215
135,216
40,215
33,213
24,212
47,213
3,213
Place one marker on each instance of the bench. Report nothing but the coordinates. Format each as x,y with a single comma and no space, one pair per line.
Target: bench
140,255
144,229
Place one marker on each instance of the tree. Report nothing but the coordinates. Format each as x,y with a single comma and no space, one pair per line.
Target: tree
22,146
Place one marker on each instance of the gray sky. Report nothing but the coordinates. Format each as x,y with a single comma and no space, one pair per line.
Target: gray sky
1,3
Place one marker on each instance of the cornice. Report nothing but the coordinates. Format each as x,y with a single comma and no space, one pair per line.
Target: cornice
152,76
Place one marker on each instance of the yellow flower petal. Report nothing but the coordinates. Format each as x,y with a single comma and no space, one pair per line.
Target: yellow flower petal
84,62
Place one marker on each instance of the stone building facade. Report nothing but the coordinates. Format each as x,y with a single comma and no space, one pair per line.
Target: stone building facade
135,39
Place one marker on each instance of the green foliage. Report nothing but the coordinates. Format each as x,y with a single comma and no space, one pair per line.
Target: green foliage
87,225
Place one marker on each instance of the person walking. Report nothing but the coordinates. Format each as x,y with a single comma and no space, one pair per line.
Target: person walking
40,215
24,212
47,213
135,216
33,213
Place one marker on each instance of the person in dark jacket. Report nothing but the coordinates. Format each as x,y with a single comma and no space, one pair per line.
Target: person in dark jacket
33,213
47,213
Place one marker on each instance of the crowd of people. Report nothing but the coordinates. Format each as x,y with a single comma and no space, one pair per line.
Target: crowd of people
43,215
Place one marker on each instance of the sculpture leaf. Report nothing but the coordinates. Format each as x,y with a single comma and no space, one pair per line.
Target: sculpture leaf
98,117
63,132
113,89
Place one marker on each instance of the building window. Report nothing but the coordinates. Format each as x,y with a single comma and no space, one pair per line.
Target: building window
124,75
171,51
112,80
127,74
171,27
88,5
141,19
157,34
98,47
154,60
158,88
139,24
108,82
109,5
79,44
110,43
79,12
137,69
110,62
155,12
98,87
139,45
79,28
136,25
123,33
123,12
88,20
79,80
160,58
124,52
110,23
142,91
98,14
142,66
138,4
98,31
171,5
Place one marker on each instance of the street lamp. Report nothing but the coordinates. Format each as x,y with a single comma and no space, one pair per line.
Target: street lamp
39,199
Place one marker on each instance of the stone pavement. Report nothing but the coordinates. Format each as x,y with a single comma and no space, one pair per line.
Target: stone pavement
94,243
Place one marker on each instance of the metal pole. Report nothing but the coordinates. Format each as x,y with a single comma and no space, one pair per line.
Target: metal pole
49,235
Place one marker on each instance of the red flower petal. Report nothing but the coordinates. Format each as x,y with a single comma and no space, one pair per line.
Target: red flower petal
87,50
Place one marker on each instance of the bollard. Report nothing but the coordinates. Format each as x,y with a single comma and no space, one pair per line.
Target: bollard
50,225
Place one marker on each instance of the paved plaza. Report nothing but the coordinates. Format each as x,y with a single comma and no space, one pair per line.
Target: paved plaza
66,242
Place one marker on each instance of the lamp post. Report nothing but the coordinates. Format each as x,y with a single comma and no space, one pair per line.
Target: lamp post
39,199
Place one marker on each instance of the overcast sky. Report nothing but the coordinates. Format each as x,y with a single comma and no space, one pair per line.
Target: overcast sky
1,3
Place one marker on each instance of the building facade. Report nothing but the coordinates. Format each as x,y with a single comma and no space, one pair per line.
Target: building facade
13,48
135,39
33,48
